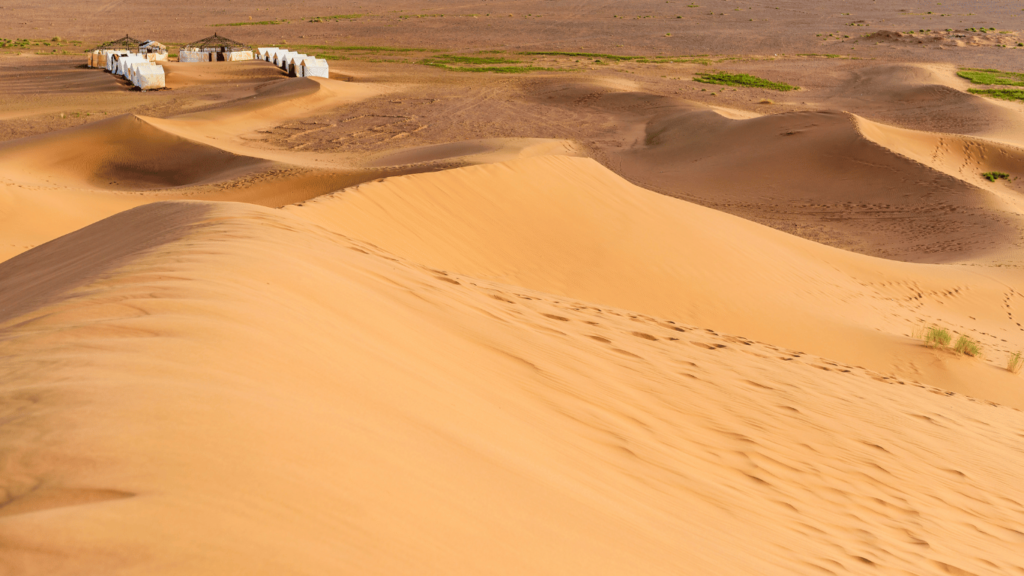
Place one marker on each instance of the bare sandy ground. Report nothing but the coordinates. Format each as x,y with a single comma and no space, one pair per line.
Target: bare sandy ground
593,319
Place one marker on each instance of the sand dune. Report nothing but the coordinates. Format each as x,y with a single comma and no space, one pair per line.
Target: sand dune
235,392
961,157
122,153
478,151
829,176
224,125
569,227
927,97
180,75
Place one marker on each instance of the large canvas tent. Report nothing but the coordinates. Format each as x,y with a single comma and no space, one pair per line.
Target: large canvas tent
215,49
293,65
148,76
100,57
314,68
126,44
267,54
124,63
281,56
105,59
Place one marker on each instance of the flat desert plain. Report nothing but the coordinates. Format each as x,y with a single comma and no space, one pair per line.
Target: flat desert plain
716,287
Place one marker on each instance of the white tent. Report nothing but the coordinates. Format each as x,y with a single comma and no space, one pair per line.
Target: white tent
238,55
115,60
124,62
112,56
281,58
133,70
193,56
315,68
267,54
149,76
294,61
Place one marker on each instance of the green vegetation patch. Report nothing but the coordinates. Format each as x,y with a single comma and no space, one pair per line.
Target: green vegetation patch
19,43
990,77
993,176
585,55
336,17
1000,94
261,23
479,64
727,79
476,60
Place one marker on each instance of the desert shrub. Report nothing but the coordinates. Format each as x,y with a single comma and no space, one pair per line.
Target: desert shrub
993,176
964,345
937,337
1015,362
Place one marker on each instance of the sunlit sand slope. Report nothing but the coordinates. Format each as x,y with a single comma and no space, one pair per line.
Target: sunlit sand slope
568,226
208,388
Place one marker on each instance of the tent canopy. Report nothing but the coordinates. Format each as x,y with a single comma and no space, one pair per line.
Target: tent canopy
126,43
216,43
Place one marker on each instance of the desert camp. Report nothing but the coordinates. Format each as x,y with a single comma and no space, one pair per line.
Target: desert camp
135,60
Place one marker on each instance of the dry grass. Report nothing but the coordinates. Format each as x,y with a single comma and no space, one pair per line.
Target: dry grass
937,337
965,345
1015,362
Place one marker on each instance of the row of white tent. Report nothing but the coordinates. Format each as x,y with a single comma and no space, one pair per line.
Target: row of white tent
295,64
136,68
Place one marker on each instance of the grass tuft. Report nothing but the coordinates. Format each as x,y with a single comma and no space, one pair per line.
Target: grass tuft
937,337
1015,362
993,176
746,80
964,345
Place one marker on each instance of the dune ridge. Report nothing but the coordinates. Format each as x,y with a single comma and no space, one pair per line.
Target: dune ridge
219,358
568,226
